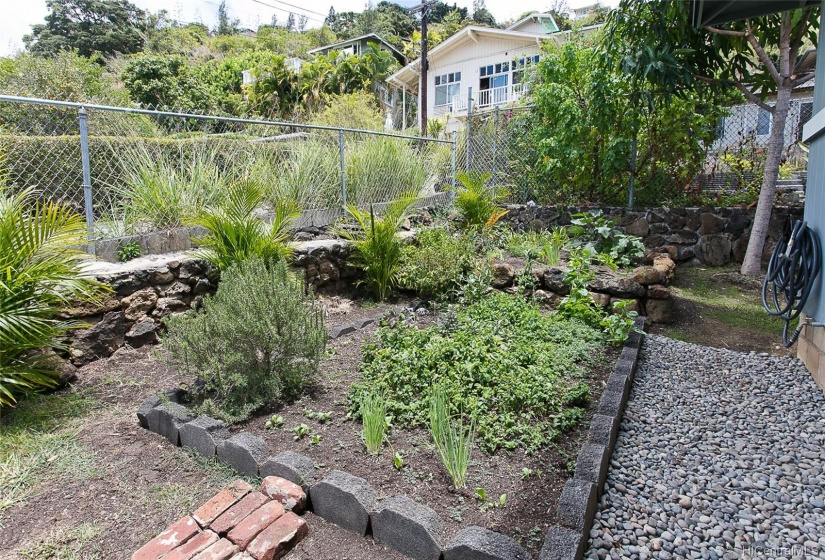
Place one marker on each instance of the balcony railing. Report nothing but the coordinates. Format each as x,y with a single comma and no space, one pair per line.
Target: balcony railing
489,97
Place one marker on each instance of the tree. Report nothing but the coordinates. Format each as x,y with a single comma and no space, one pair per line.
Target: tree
560,11
290,22
90,27
482,15
576,143
226,26
440,10
655,42
302,23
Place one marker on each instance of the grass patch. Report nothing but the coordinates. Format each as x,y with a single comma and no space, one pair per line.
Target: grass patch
38,441
66,543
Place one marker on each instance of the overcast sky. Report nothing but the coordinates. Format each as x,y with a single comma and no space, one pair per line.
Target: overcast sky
17,16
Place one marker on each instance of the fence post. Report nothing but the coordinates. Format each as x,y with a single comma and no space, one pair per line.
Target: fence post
631,192
469,127
495,148
343,172
87,178
455,141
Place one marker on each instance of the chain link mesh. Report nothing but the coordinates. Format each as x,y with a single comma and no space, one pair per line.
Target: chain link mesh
154,171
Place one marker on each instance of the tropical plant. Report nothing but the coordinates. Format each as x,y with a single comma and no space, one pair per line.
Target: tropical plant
476,201
579,304
619,324
41,271
378,248
255,343
658,49
374,417
601,237
453,437
235,232
129,251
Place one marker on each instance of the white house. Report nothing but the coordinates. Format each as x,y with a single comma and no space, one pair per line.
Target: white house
481,66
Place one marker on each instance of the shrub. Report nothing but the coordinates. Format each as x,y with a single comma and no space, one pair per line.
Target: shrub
312,175
235,233
378,246
578,304
499,360
539,245
453,438
129,251
380,168
255,343
41,271
476,202
597,234
435,263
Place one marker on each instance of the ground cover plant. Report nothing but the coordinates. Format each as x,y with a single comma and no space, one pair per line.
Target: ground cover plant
434,264
516,371
255,343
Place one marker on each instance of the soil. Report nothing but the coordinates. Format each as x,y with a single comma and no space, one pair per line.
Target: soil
139,483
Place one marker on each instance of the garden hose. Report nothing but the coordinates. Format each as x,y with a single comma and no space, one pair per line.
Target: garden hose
792,269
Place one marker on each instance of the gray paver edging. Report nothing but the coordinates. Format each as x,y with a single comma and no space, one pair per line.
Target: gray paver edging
577,504
578,501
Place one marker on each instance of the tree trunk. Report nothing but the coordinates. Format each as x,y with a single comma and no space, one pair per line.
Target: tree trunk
752,264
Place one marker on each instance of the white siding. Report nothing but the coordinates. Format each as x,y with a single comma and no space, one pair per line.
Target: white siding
531,26
468,59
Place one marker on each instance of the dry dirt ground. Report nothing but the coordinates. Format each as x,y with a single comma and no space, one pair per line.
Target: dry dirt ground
86,482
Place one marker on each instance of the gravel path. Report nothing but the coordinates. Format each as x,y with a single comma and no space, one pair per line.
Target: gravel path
720,455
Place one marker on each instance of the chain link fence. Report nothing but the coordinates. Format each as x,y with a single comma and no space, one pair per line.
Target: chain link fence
135,171
498,141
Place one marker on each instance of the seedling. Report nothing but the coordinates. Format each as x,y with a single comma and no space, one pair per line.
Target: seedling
300,431
315,439
398,460
274,422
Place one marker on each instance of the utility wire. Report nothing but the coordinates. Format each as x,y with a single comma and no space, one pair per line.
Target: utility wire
292,6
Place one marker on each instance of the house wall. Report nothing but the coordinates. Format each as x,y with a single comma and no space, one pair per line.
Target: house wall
467,59
530,27
740,126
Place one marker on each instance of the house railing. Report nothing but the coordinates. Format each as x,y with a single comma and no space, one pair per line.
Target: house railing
490,97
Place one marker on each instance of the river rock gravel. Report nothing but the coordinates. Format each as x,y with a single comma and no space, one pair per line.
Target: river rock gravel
720,455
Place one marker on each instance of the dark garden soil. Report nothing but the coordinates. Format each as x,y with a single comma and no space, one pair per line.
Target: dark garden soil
133,483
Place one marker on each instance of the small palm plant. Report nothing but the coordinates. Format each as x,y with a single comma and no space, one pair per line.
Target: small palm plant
378,248
476,201
41,270
235,233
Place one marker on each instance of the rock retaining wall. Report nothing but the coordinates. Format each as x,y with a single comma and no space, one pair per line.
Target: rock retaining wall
710,236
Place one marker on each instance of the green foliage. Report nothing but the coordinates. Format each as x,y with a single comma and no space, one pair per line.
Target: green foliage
301,431
476,201
351,110
500,361
235,233
373,410
577,143
453,438
274,422
377,245
433,264
379,168
41,271
90,27
255,343
619,324
129,251
544,245
599,235
578,304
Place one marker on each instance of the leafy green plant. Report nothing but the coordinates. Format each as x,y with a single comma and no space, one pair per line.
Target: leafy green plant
129,251
300,432
398,460
501,361
275,422
435,262
578,304
374,416
594,231
255,343
619,324
40,271
453,437
476,201
235,233
378,248
379,168
544,246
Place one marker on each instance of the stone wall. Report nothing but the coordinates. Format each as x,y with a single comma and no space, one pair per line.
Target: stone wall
710,236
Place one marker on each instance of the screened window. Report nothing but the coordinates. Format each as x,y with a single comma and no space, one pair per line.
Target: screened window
763,123
446,87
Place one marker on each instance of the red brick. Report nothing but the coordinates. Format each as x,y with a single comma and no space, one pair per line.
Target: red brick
254,523
291,496
279,538
221,550
221,502
175,535
234,515
194,545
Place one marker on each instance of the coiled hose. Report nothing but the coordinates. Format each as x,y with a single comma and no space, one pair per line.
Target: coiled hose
793,267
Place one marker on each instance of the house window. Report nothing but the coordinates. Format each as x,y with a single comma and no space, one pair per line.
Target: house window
806,109
447,86
720,128
520,65
494,76
763,123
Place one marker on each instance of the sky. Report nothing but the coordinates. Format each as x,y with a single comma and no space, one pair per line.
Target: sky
16,16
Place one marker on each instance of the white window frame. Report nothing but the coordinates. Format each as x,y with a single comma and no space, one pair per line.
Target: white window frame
443,82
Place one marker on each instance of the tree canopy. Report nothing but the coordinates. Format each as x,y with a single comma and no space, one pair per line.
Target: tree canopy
90,27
